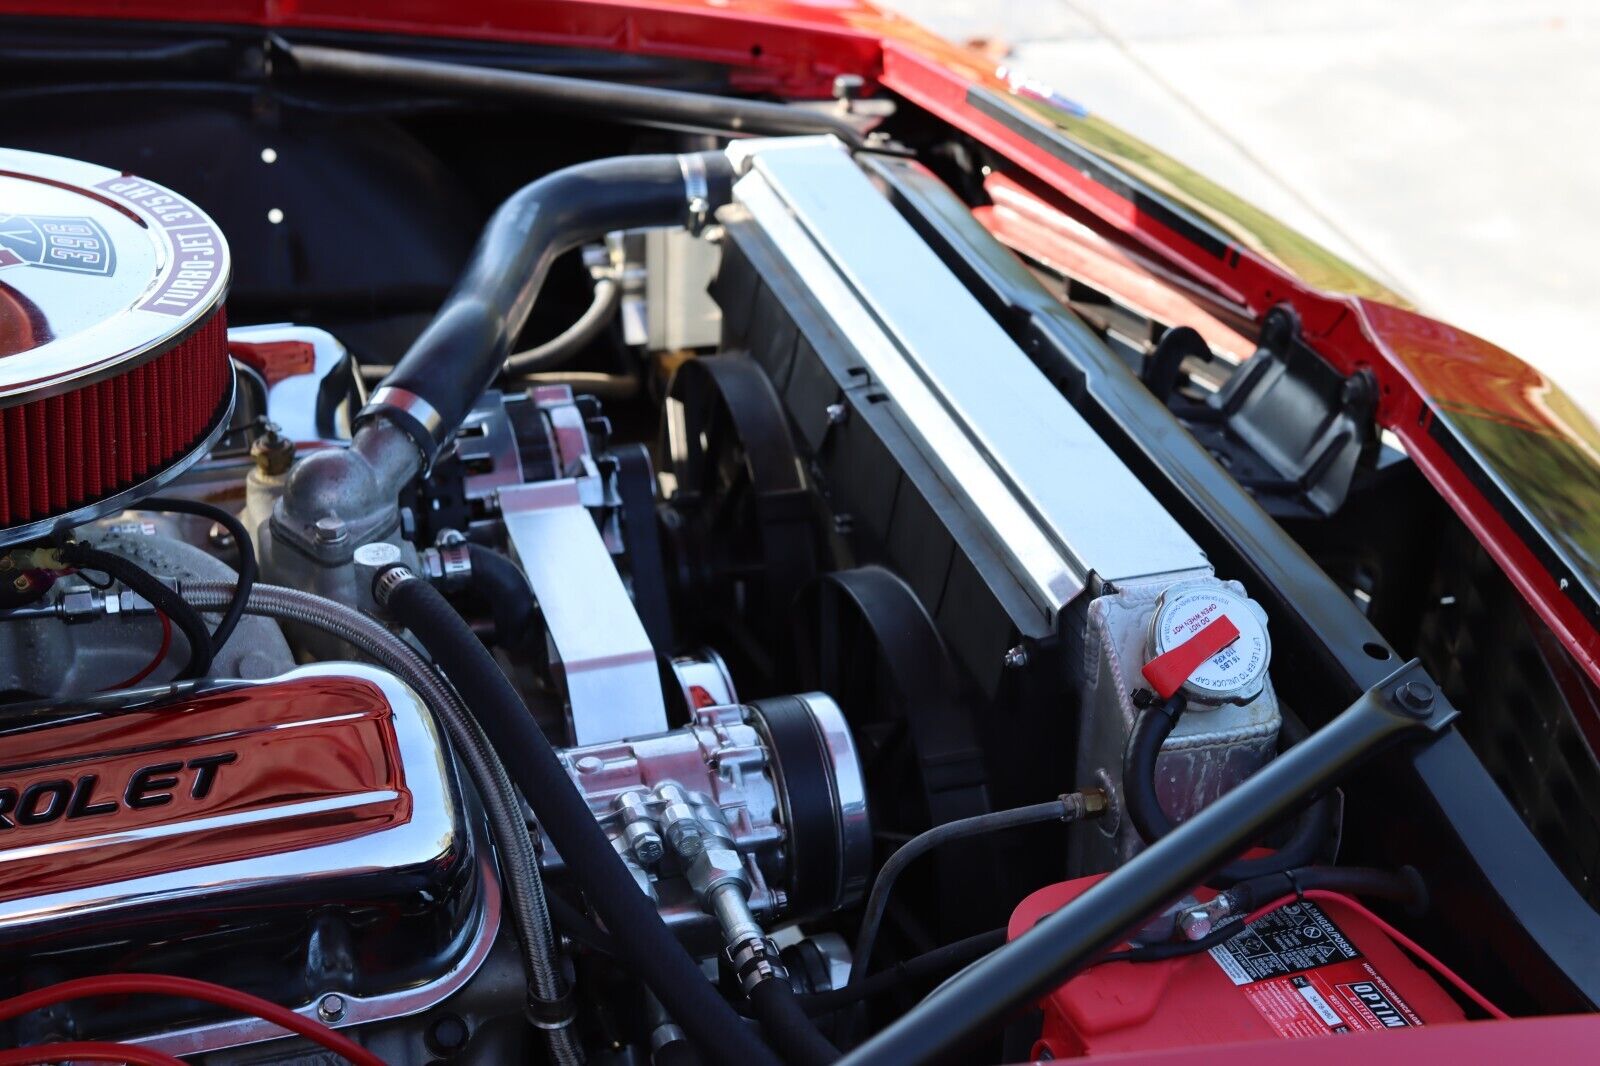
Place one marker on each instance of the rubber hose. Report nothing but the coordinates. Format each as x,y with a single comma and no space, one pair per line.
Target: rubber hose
929,964
524,884
242,544
788,1026
576,337
505,589
642,938
164,599
465,346
1150,732
1064,809
1404,886
558,349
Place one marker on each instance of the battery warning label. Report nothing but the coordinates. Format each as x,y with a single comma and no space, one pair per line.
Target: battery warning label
1306,979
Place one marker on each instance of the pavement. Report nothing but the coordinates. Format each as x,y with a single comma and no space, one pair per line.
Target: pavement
1444,146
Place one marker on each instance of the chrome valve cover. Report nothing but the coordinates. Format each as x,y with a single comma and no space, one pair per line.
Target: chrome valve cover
293,838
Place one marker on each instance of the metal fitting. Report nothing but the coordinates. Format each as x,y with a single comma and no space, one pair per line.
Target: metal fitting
714,869
1084,803
1197,922
639,828
680,822
641,876
272,452
1017,657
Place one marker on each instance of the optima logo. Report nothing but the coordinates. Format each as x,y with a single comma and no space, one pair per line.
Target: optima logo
1371,997
57,798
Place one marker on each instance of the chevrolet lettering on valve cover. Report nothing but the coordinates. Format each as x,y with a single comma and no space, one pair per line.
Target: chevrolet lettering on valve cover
682,531
148,786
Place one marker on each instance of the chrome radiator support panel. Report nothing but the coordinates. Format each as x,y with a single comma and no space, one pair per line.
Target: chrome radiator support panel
1050,491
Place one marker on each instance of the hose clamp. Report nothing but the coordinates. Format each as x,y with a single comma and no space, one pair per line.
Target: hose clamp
755,960
410,414
388,580
449,566
696,191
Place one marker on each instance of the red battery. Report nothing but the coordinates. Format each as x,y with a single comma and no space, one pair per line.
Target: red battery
1311,968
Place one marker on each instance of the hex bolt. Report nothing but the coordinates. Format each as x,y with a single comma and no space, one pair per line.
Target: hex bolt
837,414
1016,658
331,1007
639,829
330,529
1416,697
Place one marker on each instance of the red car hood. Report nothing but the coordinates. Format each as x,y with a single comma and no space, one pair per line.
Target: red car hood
1510,453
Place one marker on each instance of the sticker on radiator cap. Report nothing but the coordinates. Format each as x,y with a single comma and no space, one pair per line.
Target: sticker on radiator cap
1238,671
1305,978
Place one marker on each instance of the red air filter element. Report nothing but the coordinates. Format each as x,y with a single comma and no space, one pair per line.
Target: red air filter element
114,368
61,453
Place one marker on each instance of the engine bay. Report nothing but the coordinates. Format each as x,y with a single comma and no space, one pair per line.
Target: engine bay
548,634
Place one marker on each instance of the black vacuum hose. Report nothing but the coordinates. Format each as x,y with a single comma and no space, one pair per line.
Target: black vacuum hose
459,354
1150,731
788,1026
505,591
642,939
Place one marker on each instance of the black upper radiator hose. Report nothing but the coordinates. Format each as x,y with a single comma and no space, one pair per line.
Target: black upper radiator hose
457,357
642,939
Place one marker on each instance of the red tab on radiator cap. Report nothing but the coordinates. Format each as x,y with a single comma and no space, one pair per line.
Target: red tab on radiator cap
1167,672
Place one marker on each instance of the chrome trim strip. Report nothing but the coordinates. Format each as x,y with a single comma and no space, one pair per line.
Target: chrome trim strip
1051,491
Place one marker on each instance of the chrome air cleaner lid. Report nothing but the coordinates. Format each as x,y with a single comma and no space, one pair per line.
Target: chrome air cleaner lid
98,269
114,368
1237,673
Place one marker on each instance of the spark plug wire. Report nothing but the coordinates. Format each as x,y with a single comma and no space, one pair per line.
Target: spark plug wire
154,984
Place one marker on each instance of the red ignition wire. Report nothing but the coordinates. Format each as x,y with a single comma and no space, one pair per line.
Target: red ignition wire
152,984
86,1051
150,667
